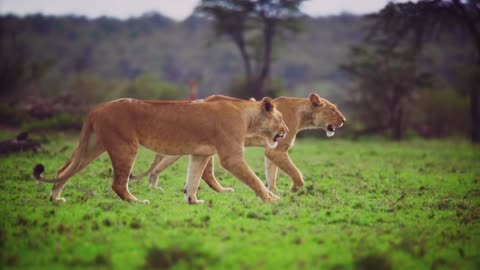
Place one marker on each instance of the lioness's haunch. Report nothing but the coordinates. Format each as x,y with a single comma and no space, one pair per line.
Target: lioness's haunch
298,113
199,129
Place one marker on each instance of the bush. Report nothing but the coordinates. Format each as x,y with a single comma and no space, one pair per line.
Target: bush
62,121
147,86
11,116
442,113
242,89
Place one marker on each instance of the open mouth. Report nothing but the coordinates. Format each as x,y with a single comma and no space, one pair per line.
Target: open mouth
330,130
279,136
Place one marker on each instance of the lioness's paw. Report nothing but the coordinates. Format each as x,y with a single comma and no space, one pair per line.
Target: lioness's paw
59,199
145,201
275,197
271,197
159,188
195,202
272,188
295,187
227,190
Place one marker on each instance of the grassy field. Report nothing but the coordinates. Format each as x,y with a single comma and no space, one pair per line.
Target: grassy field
365,205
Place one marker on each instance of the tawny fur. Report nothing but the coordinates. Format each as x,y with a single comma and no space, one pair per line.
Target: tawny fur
298,113
200,129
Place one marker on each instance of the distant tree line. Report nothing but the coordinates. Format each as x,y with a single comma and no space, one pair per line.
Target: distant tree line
385,85
254,27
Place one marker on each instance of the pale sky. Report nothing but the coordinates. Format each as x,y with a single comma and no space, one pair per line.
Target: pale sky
175,9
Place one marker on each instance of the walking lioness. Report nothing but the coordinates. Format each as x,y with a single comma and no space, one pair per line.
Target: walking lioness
199,129
298,113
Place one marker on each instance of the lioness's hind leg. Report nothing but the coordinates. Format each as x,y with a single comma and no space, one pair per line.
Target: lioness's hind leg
195,168
92,153
122,161
162,164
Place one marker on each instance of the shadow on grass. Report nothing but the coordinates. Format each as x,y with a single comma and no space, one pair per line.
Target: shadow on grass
166,258
373,262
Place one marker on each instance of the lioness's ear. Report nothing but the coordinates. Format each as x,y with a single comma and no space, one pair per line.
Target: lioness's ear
267,104
315,100
252,99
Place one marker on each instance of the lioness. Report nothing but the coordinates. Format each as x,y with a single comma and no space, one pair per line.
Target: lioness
199,129
298,113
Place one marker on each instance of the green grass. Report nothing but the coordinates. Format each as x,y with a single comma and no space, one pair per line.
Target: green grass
365,205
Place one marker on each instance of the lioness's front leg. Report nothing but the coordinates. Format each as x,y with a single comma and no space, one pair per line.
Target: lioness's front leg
283,161
195,168
209,177
238,168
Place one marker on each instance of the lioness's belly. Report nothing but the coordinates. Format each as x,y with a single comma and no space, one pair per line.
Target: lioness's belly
175,149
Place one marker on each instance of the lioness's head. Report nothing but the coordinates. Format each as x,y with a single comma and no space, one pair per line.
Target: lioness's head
270,123
325,115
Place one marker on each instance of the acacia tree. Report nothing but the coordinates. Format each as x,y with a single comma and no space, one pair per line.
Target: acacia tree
275,17
266,18
231,19
386,83
416,22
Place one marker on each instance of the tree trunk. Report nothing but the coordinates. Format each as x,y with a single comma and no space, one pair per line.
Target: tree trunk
397,125
471,25
475,114
240,42
268,33
246,62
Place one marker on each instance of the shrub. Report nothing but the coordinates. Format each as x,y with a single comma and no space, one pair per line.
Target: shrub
11,116
62,121
241,88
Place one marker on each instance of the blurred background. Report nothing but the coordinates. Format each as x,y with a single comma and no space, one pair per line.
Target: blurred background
396,69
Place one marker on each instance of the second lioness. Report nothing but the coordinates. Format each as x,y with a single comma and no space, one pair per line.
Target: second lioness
298,113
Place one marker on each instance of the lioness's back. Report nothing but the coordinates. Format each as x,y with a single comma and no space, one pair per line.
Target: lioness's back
167,126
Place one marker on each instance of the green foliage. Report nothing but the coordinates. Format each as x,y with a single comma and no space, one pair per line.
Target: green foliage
273,88
254,24
442,113
412,23
365,205
93,88
386,81
114,49
149,87
11,116
63,121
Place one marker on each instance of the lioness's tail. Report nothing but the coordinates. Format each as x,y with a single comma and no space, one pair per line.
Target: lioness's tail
75,163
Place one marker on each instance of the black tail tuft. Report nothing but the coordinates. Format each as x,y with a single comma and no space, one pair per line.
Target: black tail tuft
38,170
